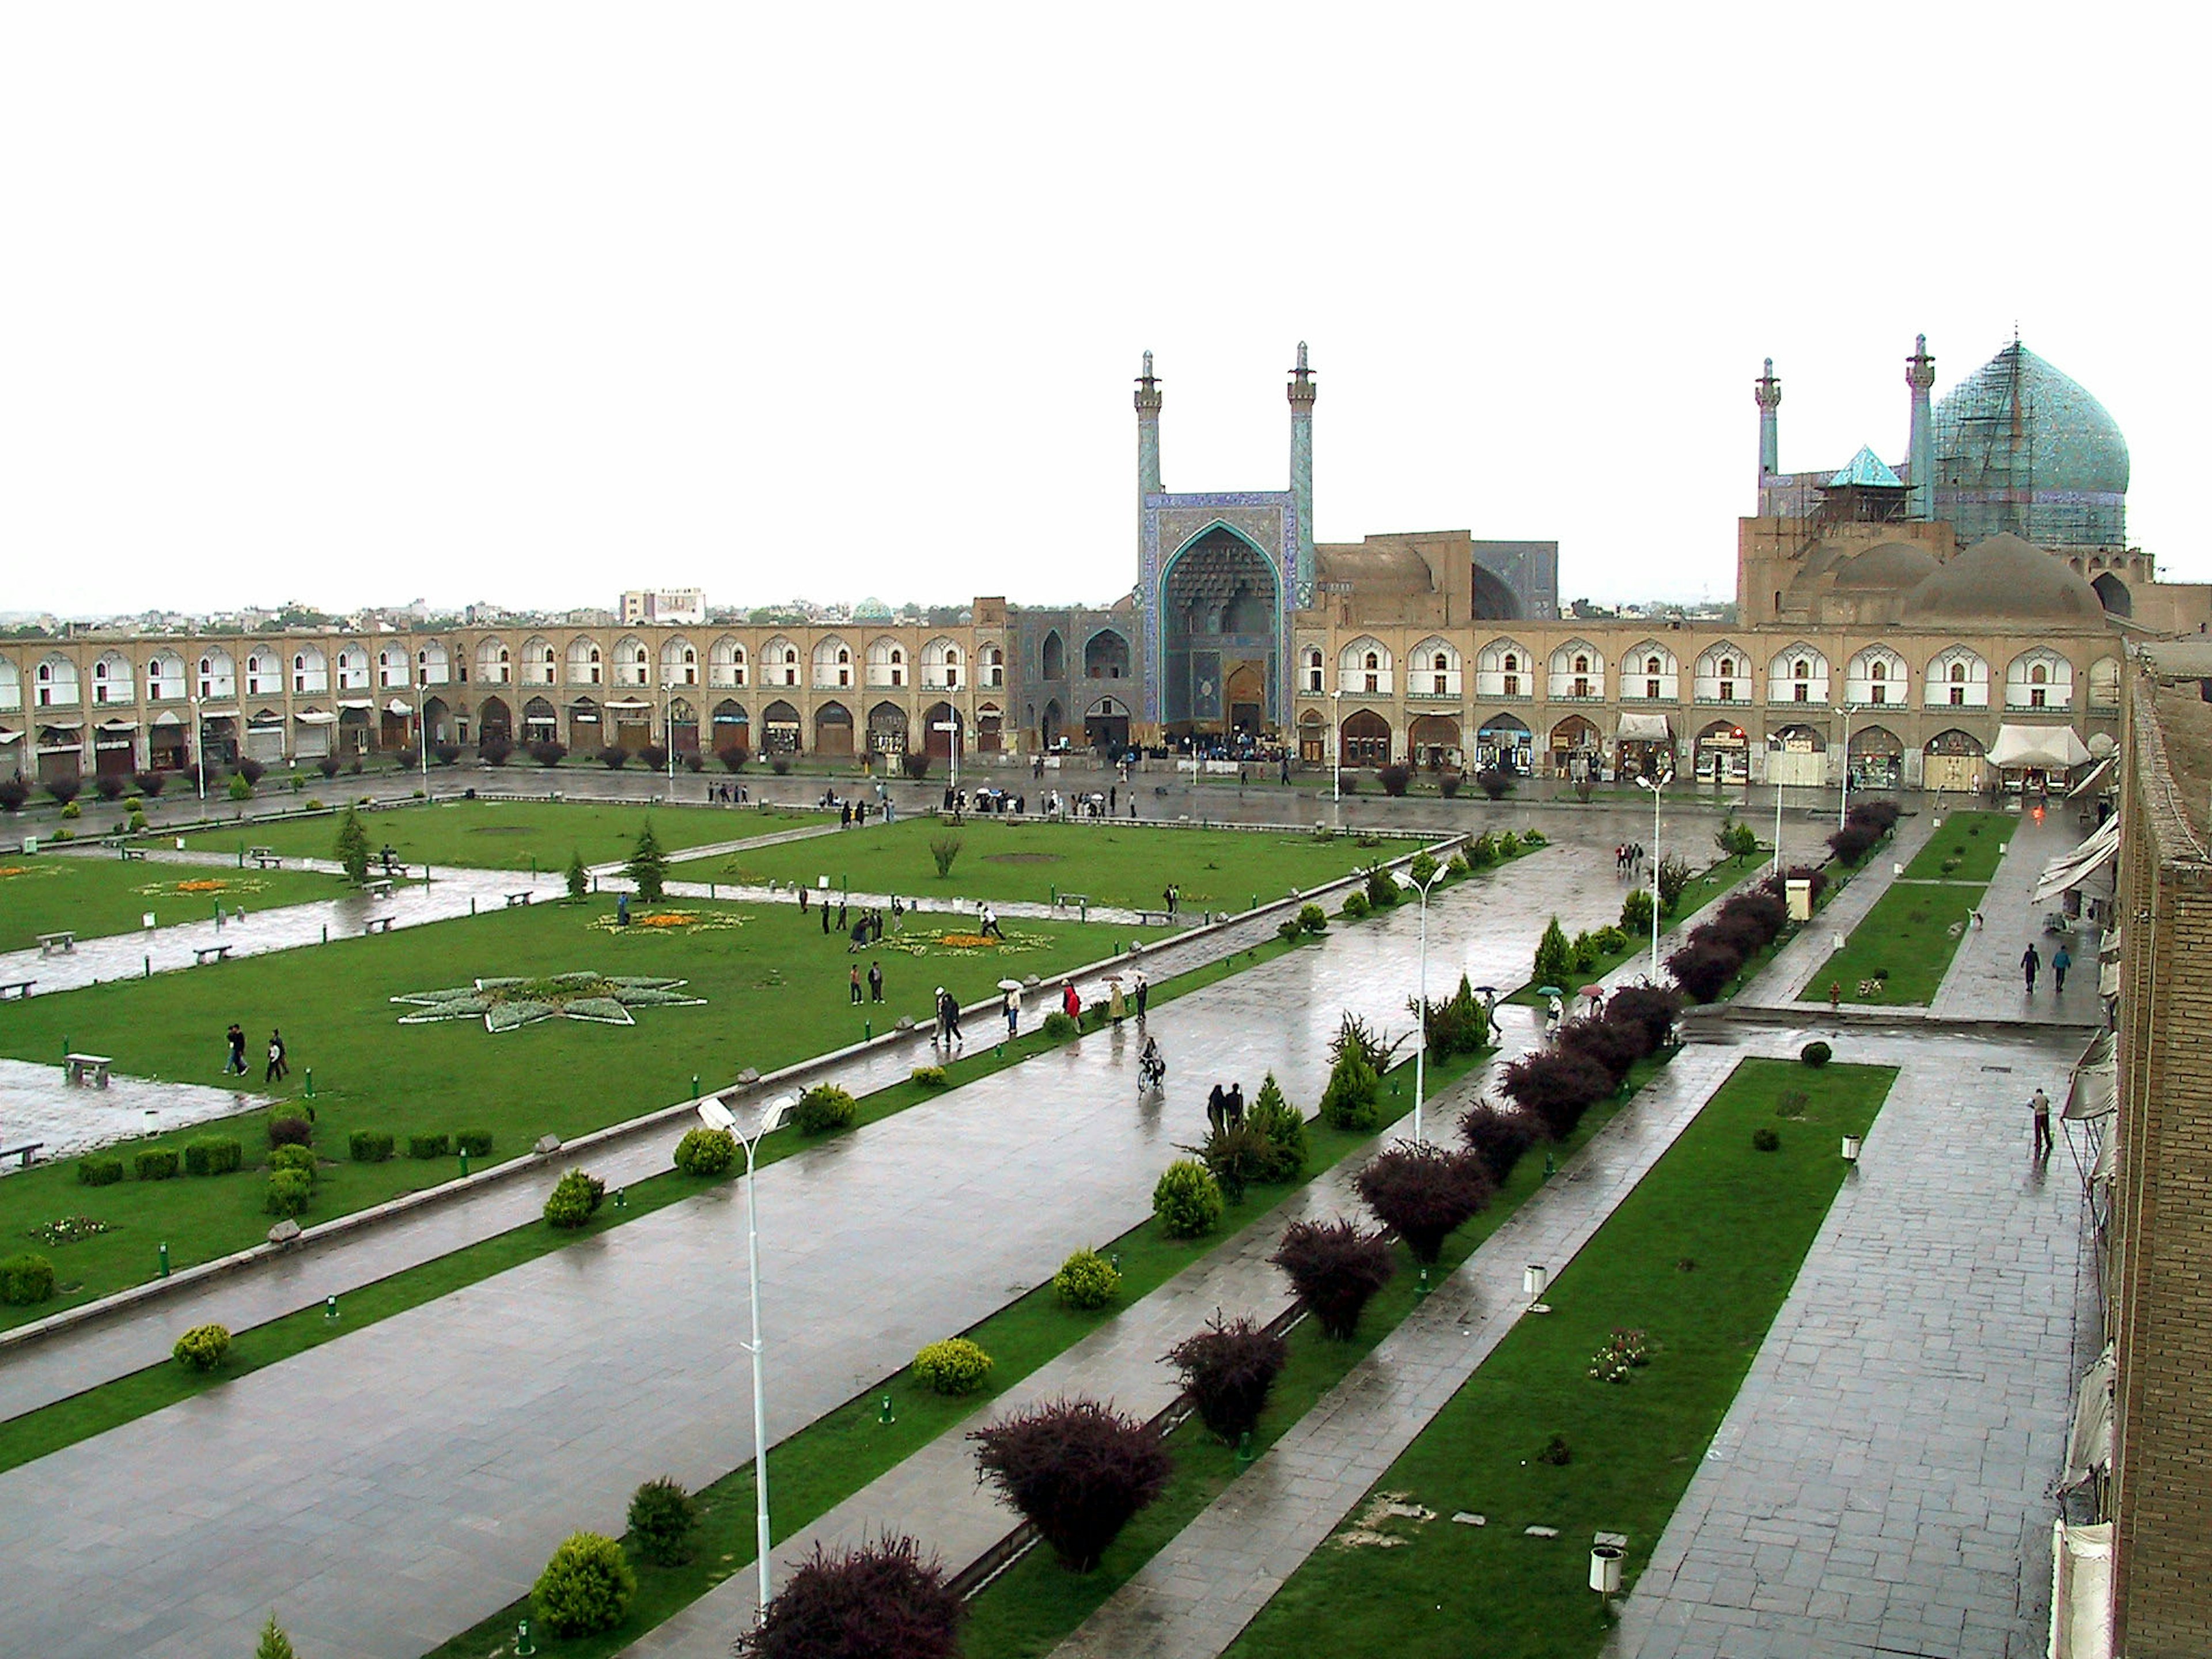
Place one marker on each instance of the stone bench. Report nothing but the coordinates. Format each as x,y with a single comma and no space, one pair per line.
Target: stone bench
377,925
61,944
25,1151
203,954
1154,919
127,854
267,862
18,989
378,887
523,897
86,1070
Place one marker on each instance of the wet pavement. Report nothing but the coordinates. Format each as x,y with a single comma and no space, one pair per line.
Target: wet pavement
37,1104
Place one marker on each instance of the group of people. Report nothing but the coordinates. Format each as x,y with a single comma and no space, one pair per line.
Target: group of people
727,794
279,1065
875,983
2031,964
1224,1108
1628,859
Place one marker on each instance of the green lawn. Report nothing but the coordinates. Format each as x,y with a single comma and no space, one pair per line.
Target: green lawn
1701,1257
774,990
500,835
1967,847
1906,941
1008,859
96,895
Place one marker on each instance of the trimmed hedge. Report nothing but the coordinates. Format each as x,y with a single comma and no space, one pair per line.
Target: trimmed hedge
585,1587
438,1146
473,1143
823,1110
156,1164
954,1366
202,1348
369,1146
709,1152
26,1279
290,1192
99,1171
213,1155
575,1199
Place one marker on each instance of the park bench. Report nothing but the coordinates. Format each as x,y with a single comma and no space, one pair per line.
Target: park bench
127,854
1154,919
513,899
76,1069
378,887
18,989
377,925
259,852
1073,901
61,944
203,954
268,862
24,1151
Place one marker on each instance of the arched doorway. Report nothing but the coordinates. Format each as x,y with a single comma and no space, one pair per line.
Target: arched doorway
1220,609
1049,723
1248,700
1877,758
1052,657
1575,749
1106,656
1505,745
1433,740
733,729
1954,761
1106,723
541,721
494,722
1313,738
682,727
437,721
990,729
585,734
937,722
833,730
887,730
1366,738
1724,754
1797,755
779,728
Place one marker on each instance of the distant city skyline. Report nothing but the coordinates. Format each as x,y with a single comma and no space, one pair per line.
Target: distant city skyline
618,305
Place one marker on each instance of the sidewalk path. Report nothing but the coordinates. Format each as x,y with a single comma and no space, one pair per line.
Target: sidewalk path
382,1492
1888,1454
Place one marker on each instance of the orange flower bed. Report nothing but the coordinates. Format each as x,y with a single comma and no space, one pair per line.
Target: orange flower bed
202,886
14,870
665,919
964,941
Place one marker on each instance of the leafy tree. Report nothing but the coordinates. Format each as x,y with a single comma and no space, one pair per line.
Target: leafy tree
353,847
1227,1370
881,1598
1423,1193
1077,1470
648,865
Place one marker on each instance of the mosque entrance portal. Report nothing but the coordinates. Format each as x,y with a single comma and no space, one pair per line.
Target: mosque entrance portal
1220,620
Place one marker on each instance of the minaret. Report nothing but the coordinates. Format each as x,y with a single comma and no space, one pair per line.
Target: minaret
1768,390
1302,391
1148,444
1920,454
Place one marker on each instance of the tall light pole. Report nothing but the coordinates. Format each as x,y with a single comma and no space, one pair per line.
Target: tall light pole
1774,748
1336,745
1658,790
716,1116
1421,1036
1844,795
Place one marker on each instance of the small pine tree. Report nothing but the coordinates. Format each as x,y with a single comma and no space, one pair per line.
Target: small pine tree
353,847
648,865
274,1644
1555,957
580,879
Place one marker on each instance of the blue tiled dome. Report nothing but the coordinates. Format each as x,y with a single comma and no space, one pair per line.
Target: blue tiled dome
2022,448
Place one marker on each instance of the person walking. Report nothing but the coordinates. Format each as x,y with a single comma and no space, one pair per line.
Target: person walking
2039,1105
236,1040
991,928
2030,964
875,981
1013,1006
1232,1106
622,910
1143,995
1070,1003
277,1066
1555,1011
943,1030
1217,1107
1117,1005
854,980
2061,960
824,908
952,1019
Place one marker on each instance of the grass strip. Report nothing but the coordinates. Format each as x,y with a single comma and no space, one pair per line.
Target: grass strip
1964,847
49,1428
841,1452
1701,1257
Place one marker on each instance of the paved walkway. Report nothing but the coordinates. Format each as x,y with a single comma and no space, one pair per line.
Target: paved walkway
36,1105
446,1454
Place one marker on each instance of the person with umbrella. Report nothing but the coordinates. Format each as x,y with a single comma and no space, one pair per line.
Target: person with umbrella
1555,1011
1012,1000
1117,1005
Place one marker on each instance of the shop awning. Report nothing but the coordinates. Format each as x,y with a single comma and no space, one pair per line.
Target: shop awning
60,723
2109,948
2082,1592
2047,748
1644,728
626,703
2094,1088
213,712
2090,1444
2102,1175
6,736
2091,778
2108,979
357,702
399,705
2083,862
118,726
315,717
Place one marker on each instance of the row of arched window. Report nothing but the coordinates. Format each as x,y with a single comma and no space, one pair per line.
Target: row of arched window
1958,677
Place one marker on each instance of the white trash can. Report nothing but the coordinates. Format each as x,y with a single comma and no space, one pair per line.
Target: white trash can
1605,1569
1534,1278
1851,1149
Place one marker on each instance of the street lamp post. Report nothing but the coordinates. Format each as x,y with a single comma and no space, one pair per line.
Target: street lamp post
1844,795
1336,745
1421,1034
716,1116
1774,748
1657,789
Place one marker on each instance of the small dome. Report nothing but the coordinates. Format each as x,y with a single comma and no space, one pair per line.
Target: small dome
1898,565
2004,579
1377,568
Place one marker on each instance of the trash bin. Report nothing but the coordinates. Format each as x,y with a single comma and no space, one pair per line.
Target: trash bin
1605,1569
1851,1149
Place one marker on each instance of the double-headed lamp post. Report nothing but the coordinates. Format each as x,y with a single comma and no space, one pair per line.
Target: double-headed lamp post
1774,748
1421,1034
1658,789
716,1116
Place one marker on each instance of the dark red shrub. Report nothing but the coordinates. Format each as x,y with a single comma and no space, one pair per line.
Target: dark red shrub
1881,815
110,785
1615,1047
1393,778
547,752
64,790
1227,1370
1768,912
882,1598
612,756
1076,1471
1742,934
1653,1007
1423,1194
1496,1135
1335,1269
733,755
329,766
1704,971
1851,843
1556,1088
655,757
149,784
494,752
290,1131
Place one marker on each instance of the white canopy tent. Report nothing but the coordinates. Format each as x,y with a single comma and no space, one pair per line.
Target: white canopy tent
2050,748
2093,1090
2083,862
2081,1591
1644,728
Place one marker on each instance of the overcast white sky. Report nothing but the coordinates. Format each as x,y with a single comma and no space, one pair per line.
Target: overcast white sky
532,303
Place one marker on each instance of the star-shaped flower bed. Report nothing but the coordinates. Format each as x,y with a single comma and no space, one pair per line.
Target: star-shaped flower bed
505,1004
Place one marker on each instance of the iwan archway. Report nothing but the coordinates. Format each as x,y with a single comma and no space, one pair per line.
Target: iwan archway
1221,624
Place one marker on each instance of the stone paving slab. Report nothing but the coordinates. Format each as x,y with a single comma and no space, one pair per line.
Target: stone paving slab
36,1104
453,1448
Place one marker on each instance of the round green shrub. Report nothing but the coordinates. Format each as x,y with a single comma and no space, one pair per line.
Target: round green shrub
931,1077
662,1518
1458,865
823,1110
706,1153
99,1171
1058,1027
1355,905
954,1366
1186,1200
1313,919
369,1146
1766,1140
575,1198
213,1155
25,1280
299,1158
1816,1054
1422,866
585,1587
290,1191
1350,1100
202,1348
1288,929
70,810
1086,1279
